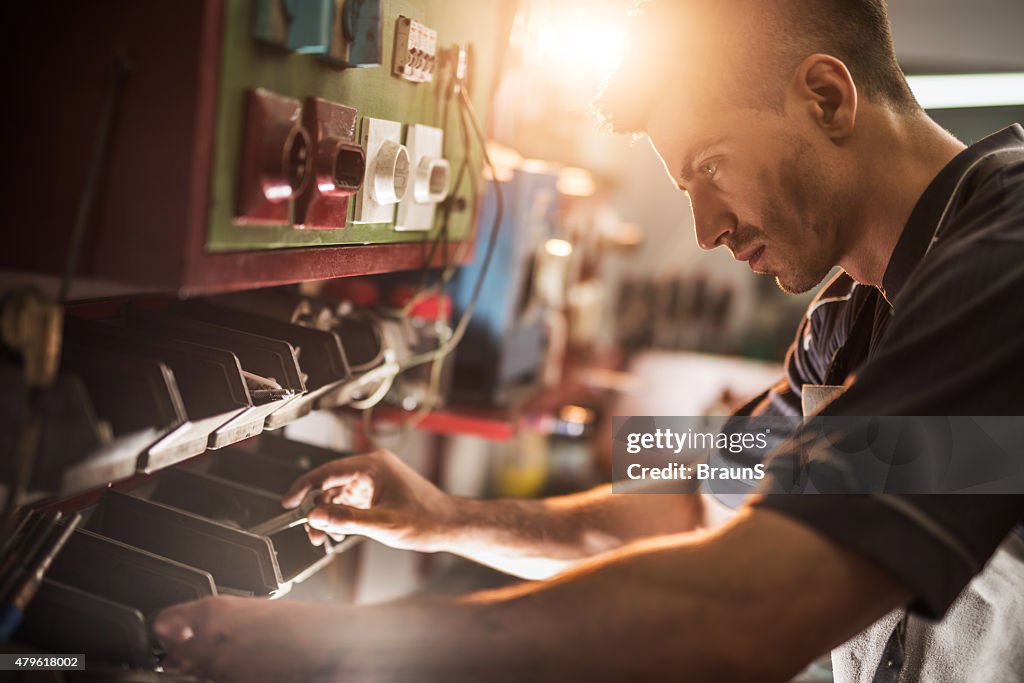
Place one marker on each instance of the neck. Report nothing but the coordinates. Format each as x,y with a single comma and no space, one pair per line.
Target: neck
902,156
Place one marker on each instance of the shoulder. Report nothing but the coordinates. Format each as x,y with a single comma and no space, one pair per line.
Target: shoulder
1002,171
992,205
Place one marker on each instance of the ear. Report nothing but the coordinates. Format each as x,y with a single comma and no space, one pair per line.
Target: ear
823,86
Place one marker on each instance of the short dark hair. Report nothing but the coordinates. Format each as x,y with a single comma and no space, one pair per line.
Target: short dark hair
857,32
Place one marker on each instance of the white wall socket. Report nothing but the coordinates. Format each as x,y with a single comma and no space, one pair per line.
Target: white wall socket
429,177
387,171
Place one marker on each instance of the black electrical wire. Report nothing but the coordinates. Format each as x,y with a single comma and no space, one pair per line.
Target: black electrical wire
446,206
448,265
448,92
438,355
499,212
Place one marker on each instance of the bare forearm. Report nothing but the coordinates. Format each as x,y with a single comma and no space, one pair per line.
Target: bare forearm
753,601
586,626
379,496
540,538
728,607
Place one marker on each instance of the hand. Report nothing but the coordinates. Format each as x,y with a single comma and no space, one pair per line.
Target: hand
247,639
378,496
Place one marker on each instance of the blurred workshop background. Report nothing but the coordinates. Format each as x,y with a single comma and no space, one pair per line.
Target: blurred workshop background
278,231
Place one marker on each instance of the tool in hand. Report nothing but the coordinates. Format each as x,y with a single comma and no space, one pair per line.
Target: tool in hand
286,520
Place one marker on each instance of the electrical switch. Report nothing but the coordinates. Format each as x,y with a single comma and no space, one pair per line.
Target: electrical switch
415,55
270,22
303,26
276,161
429,177
387,171
339,165
311,22
355,37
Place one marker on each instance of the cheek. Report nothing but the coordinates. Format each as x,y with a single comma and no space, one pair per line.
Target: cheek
795,190
750,198
792,207
772,213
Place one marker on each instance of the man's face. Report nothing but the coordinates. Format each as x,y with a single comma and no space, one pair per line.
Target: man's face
759,182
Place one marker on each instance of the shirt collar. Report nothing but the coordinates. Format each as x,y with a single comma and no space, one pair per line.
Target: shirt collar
924,219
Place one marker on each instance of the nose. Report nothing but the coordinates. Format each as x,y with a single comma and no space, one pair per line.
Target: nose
713,222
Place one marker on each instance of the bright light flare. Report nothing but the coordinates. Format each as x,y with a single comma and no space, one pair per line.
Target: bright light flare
558,248
576,414
576,43
539,166
576,182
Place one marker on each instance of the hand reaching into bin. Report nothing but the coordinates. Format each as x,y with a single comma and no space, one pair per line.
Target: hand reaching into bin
378,496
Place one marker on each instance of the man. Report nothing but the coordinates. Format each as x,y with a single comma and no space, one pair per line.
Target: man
792,129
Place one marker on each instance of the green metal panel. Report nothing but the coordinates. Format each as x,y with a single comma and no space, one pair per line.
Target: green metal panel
373,91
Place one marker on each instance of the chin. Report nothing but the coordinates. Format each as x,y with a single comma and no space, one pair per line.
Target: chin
797,284
789,288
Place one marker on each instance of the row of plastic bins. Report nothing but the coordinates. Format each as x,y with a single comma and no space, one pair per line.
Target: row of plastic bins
177,537
149,389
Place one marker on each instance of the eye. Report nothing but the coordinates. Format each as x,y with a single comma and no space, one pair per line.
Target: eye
709,168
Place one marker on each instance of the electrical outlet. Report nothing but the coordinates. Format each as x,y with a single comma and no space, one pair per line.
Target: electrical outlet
415,54
387,171
339,165
429,176
276,160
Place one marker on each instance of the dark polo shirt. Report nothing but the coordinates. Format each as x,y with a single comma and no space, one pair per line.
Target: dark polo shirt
945,336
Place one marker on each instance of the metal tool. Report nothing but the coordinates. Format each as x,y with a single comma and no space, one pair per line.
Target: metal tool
25,574
295,517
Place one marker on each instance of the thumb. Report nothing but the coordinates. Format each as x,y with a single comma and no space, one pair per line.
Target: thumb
173,628
343,519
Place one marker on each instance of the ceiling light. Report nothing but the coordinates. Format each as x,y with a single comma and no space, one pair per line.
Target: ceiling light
968,90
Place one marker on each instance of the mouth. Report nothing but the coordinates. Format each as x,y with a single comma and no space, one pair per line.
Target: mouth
751,256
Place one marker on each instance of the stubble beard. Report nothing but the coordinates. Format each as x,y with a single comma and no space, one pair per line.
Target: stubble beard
806,184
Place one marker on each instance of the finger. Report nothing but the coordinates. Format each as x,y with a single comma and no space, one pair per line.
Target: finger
175,628
358,492
193,634
329,475
343,519
316,537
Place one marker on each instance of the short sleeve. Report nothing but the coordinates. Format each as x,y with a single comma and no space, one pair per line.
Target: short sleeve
954,347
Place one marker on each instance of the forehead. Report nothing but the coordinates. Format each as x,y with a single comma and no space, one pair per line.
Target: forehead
681,121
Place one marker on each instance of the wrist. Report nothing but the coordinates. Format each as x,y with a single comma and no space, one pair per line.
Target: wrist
449,514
